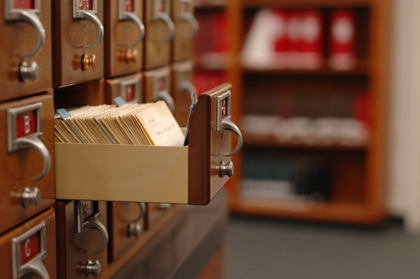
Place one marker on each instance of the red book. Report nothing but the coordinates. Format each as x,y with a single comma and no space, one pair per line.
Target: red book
294,39
281,42
311,42
342,40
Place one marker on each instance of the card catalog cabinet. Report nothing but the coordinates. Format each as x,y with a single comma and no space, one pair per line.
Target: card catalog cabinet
129,88
182,90
82,238
190,174
186,27
160,30
124,34
157,84
28,251
78,44
126,223
25,50
27,165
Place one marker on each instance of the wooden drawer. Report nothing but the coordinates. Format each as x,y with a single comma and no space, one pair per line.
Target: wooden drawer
28,251
129,88
25,51
186,27
181,89
82,238
160,30
124,34
156,212
187,175
157,85
27,167
78,41
126,223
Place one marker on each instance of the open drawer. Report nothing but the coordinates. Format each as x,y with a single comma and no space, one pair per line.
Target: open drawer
190,174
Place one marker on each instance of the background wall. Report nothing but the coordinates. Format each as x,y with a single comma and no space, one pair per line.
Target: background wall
404,157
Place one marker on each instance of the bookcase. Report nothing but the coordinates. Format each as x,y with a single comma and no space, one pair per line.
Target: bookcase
302,177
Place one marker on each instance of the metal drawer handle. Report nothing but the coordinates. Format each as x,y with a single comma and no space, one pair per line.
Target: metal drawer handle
165,96
190,19
36,267
95,224
33,142
134,228
40,31
98,23
134,18
227,124
169,23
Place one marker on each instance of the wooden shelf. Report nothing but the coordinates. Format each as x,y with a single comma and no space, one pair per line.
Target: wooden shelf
315,211
361,69
272,141
305,3
209,6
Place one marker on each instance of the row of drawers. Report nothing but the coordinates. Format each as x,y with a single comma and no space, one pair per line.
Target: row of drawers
35,171
86,235
50,44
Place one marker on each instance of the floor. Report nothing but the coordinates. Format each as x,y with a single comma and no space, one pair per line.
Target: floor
270,248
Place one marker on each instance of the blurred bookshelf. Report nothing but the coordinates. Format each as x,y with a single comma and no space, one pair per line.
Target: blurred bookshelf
348,163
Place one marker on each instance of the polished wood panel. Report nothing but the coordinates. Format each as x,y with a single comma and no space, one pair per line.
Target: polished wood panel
182,74
157,41
121,57
122,215
6,245
206,148
130,88
71,41
75,249
18,38
182,46
18,168
182,246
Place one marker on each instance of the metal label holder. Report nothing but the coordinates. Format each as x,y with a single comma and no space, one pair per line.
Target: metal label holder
137,89
34,265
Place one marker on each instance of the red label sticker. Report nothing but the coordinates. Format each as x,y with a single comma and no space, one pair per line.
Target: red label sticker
224,108
26,124
130,93
24,4
161,84
86,5
129,6
29,248
160,6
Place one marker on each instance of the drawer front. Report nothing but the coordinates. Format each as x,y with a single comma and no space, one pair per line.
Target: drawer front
156,212
182,88
160,30
82,238
125,32
186,27
26,53
79,47
210,152
126,225
27,168
157,86
28,251
129,88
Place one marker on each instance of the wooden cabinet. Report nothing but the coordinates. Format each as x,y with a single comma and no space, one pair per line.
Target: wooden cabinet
351,175
130,88
78,41
82,238
186,27
29,249
160,30
127,223
27,166
25,51
182,90
124,34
